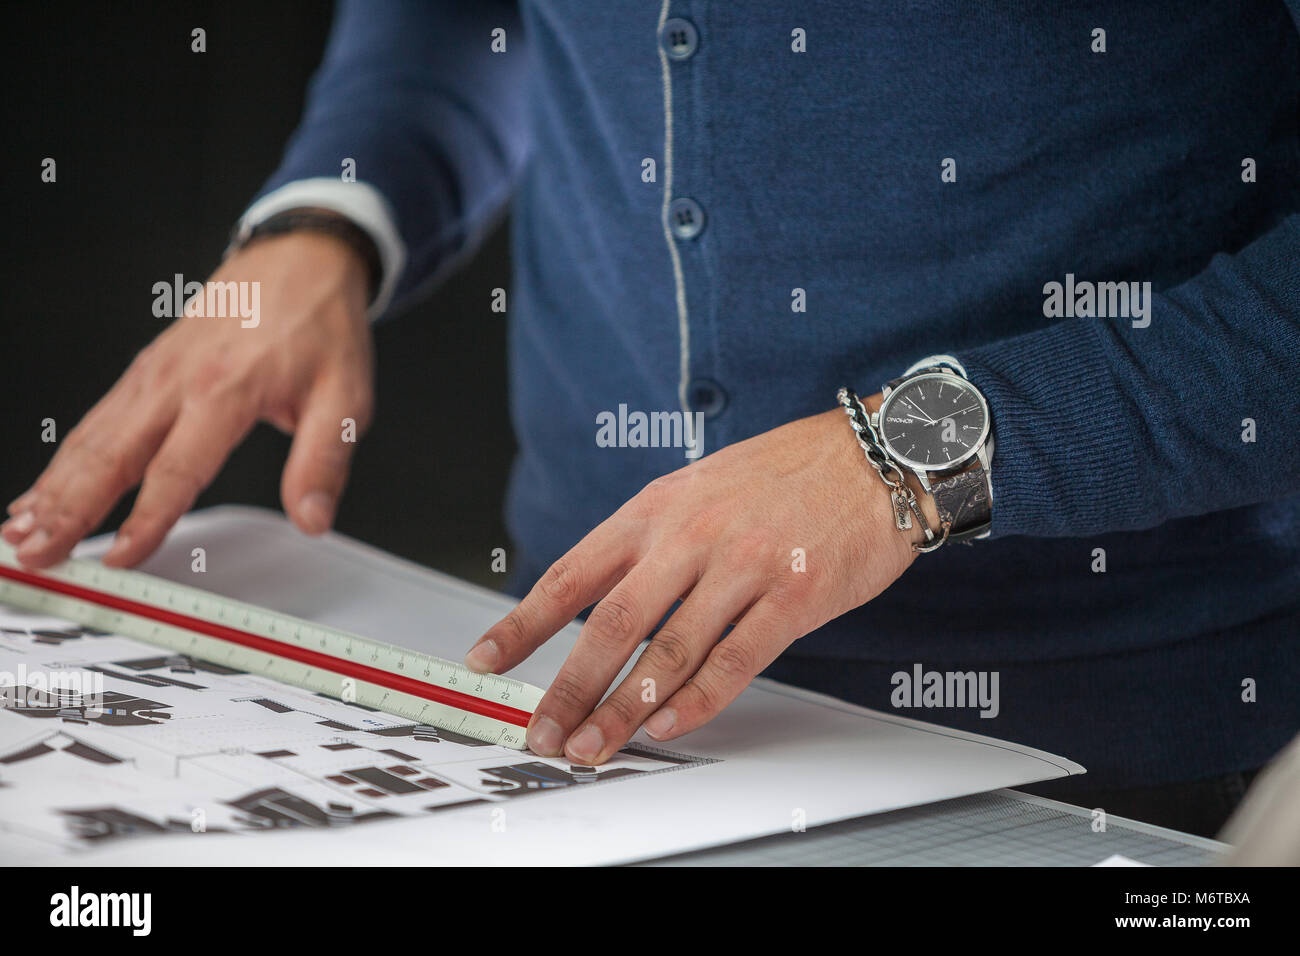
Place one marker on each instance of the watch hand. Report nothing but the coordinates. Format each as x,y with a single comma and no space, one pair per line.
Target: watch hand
954,414
928,419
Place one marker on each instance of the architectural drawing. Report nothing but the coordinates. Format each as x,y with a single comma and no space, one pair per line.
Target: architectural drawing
103,738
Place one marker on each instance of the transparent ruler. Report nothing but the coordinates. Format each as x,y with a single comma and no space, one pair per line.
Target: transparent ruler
418,687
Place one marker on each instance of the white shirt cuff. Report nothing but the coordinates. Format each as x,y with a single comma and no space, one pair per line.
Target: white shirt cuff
930,360
360,202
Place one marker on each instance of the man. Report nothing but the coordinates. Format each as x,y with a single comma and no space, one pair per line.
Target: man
1080,231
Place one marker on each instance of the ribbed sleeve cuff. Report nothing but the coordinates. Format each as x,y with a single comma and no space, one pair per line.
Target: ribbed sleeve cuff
1066,435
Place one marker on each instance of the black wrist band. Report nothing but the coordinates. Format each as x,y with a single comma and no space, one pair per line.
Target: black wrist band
325,223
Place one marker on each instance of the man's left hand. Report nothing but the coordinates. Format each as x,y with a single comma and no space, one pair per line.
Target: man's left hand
771,537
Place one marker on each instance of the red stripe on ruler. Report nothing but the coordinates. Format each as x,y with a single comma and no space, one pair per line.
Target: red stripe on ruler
269,645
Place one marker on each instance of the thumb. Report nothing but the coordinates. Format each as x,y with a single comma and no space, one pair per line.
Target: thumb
335,415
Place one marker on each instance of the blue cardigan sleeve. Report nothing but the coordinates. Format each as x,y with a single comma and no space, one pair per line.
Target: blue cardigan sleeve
413,92
1105,427
1101,426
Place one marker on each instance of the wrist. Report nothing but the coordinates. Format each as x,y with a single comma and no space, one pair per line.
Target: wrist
333,267
313,228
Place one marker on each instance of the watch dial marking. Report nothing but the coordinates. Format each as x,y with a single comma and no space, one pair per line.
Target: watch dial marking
935,431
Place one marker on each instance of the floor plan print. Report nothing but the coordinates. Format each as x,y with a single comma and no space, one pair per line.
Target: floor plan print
103,738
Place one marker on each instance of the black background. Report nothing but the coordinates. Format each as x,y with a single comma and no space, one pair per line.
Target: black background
159,150
269,908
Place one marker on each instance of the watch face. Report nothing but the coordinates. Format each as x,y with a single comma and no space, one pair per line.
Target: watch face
934,421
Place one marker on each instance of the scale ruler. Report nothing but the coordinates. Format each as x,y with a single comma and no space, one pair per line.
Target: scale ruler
208,627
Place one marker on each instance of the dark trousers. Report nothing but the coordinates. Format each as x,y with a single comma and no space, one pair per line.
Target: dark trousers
1201,807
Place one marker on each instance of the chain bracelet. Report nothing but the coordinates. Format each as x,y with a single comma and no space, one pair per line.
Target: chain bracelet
900,492
932,544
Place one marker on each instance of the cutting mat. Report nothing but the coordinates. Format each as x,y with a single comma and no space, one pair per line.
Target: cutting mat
1001,828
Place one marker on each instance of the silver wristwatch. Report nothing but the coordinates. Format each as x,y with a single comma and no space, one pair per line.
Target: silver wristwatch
936,424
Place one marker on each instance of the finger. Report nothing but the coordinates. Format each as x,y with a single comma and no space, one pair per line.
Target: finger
22,502
736,660
101,459
610,634
335,414
105,422
577,580
188,460
674,653
18,527
22,510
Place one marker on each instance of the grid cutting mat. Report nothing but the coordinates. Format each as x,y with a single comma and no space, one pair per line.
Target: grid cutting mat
1001,828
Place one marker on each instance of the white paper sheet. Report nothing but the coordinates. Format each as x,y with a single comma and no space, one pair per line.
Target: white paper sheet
117,739
781,758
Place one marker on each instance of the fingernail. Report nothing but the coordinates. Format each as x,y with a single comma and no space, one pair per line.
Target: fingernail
22,523
661,723
38,540
586,745
482,657
316,511
120,545
545,737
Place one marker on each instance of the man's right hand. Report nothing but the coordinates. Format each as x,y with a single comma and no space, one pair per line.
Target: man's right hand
184,403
